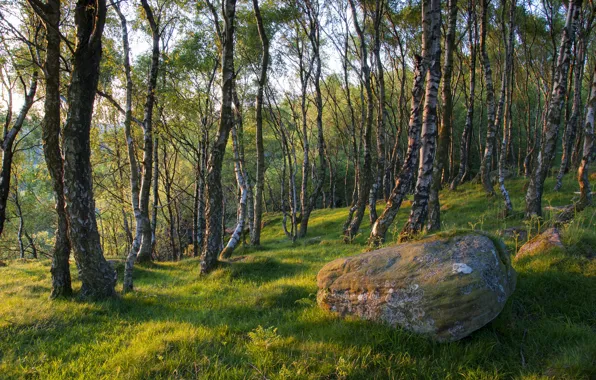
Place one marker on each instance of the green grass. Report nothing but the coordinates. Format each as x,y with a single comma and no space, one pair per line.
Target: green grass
257,317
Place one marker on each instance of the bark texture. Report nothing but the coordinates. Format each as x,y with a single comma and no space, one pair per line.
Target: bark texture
50,136
444,138
466,137
146,245
406,174
98,277
491,132
365,179
214,194
431,11
508,86
255,233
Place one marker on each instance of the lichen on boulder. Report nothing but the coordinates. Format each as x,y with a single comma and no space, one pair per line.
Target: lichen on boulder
443,287
549,239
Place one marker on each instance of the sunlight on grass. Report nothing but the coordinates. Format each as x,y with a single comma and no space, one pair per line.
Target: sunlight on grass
256,317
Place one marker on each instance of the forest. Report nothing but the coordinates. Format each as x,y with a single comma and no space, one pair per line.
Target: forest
297,189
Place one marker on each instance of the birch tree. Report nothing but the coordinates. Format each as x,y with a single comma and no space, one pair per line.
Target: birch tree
552,120
431,48
97,275
213,189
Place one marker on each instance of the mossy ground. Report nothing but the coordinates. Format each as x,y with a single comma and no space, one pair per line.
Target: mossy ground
257,317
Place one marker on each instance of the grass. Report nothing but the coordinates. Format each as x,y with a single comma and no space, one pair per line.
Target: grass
257,318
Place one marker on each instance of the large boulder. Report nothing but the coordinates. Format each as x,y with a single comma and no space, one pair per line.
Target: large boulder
444,287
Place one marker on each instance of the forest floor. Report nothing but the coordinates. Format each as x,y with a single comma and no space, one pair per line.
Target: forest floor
257,317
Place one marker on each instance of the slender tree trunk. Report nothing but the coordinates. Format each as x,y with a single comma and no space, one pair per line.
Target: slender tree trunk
214,193
98,277
381,114
572,123
431,12
589,151
50,136
155,191
6,144
487,158
309,204
366,178
255,233
146,247
406,175
241,214
550,131
444,138
466,137
508,85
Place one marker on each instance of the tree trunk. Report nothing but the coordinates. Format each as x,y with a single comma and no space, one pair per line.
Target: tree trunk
585,198
550,130
214,193
406,175
309,203
255,233
431,11
98,277
6,144
508,85
50,136
571,129
241,214
466,137
365,177
146,248
381,114
443,142
487,158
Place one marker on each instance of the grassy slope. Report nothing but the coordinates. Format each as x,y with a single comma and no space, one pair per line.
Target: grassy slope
179,325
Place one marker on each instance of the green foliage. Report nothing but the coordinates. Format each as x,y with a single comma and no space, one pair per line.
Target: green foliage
255,317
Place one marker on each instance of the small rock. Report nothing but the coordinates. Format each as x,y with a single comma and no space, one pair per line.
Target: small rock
443,287
549,239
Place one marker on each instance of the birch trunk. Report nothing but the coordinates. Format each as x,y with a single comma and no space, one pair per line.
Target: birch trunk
50,136
444,138
508,85
255,233
214,194
466,137
487,158
550,130
572,123
406,174
98,277
241,213
589,151
431,10
146,248
312,10
6,144
365,173
381,113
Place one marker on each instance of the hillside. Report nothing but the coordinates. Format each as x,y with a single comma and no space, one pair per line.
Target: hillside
256,317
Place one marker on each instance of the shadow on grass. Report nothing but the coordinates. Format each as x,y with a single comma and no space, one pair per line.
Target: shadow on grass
261,269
